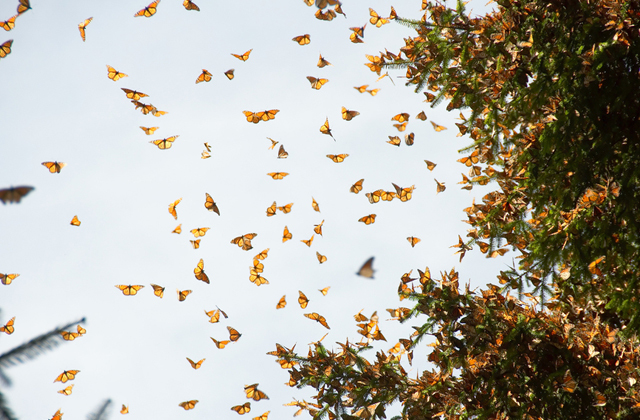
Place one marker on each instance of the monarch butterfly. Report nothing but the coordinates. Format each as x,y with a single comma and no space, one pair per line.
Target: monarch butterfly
67,375
172,208
367,220
316,83
308,242
66,391
353,37
282,154
256,278
273,143
114,74
157,113
404,194
244,241
277,175
338,158
166,143
58,414
359,31
376,19
393,14
302,39
361,89
54,167
258,267
8,278
413,240
374,197
158,290
242,409
349,115
229,74
267,115
317,317
75,221
189,5
286,235
386,75
5,48
148,11
437,127
440,186
243,57
129,290
387,195
220,344
82,27
373,92
324,291
8,327
188,405
286,208
9,24
205,155
234,335
318,228
263,255
205,76
69,335
394,141
254,393
302,300
182,294
421,116
430,165
328,16
14,194
195,244
367,269
144,108
357,187
326,130
199,272
314,205
375,64
568,383
214,316
408,139
401,127
271,210
211,205
195,365
81,330
124,410
264,416
282,302
470,160
198,232
322,62
23,7
321,258
149,130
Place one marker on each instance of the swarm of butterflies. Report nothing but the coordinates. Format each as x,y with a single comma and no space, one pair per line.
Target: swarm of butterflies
327,10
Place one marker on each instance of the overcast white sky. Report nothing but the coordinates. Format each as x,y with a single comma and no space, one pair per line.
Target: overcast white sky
58,105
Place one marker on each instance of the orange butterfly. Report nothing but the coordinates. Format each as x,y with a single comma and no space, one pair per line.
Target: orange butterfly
157,113
194,364
205,155
158,290
124,410
178,229
316,83
189,5
385,75
220,344
373,92
23,7
264,416
271,210
198,232
361,89
357,187
149,130
413,240
440,187
242,409
82,27
282,302
376,19
229,74
349,115
282,154
243,57
5,48
321,258
144,108
302,300
199,272
54,167
254,393
302,39
211,205
308,242
401,117
182,294
58,414
394,140
408,139
129,290
148,11
172,208
286,235
322,62
8,278
66,391
8,327
318,228
314,205
114,74
256,278
189,405
285,209
471,159
244,241
353,37
205,76
375,64
278,175
69,336
234,335
326,130
421,116
263,255
437,127
273,143
401,127
374,197
387,195
75,221
214,316
367,220
324,291
164,144
367,269
67,375
430,165
14,194
317,317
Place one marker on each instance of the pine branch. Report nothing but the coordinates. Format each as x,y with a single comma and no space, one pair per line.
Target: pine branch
5,412
101,413
35,347
4,379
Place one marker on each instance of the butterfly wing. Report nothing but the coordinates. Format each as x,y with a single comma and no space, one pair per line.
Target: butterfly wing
367,269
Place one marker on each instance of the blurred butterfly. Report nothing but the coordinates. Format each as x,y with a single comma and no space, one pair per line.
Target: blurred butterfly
349,115
308,242
9,24
357,187
148,11
166,143
211,205
114,74
404,194
413,240
5,48
373,92
220,344
189,405
440,187
254,393
374,197
394,140
157,113
322,62
229,74
263,416
214,316
318,228
421,116
189,5
234,335
282,154
302,300
242,409
124,410
144,108
208,146
401,117
317,317
359,31
286,209
375,64
75,221
393,14
314,205
282,302
256,278
324,291
8,328
67,391
361,89
277,175
199,272
8,278
198,232
328,15
69,335
149,130
58,414
258,267
23,7
302,39
367,220
271,210
14,194
243,57
470,160
54,167
195,365
81,330
438,127
67,375
182,294
205,76
338,158
205,155
178,229
326,130
82,27
409,138
273,143
353,37
367,269
263,255
430,165
195,244
376,19
158,290
430,97
286,235
316,83
172,208
386,75
244,241
387,195
129,290
321,258
401,127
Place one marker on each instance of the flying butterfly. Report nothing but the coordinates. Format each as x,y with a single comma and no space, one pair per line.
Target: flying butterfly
413,240
273,143
373,92
357,187
375,64
263,416
263,255
367,220
367,269
199,272
338,158
205,155
282,154
244,241
67,391
404,194
302,300
198,232
220,344
314,205
387,195
194,364
182,294
361,89
328,15
257,279
125,409
158,290
54,167
14,194
69,335
401,127
440,186
430,165
229,74
421,116
195,244
189,5
136,96
214,316
205,76
242,409
5,48
321,258
208,146
6,279
374,197
376,19
286,235
316,83
114,74
211,205
178,229
129,290
234,335
409,139
317,317
271,210
243,57
386,75
254,393
58,414
277,175
75,221
302,39
286,208
67,375
322,62
318,228
82,26
148,11
165,143
8,328
308,242
349,115
23,7
282,302
394,141
353,37
326,130
437,127
324,291
149,130
172,208
157,113
189,405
